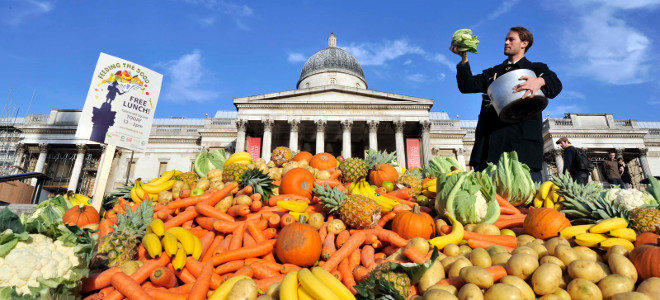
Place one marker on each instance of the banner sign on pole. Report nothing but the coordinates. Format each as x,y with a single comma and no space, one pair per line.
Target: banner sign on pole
121,103
254,147
413,158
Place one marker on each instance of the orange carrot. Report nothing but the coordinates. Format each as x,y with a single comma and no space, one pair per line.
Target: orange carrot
94,296
207,241
245,270
182,289
201,286
360,273
163,277
413,255
371,238
248,240
269,233
509,211
263,284
128,287
355,241
347,276
506,205
509,223
185,276
260,249
485,244
106,291
105,227
274,220
225,227
190,201
286,268
323,231
329,182
261,271
159,294
328,248
237,210
455,281
367,256
247,190
337,274
388,216
230,266
221,194
354,258
379,256
181,218
388,236
195,268
341,238
255,232
315,208
212,212
145,270
335,174
276,182
197,231
256,203
404,193
497,271
187,224
511,217
287,219
237,239
269,257
98,280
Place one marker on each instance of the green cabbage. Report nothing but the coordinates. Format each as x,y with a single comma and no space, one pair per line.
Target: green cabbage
207,161
442,164
513,180
465,41
467,196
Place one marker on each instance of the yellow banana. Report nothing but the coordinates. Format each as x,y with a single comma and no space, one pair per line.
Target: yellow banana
554,196
571,232
303,295
333,283
82,199
385,203
155,189
454,237
179,260
289,286
548,203
134,195
538,202
138,189
617,241
430,183
545,189
314,286
589,239
239,157
167,175
624,233
197,251
157,227
177,172
170,244
609,225
153,197
293,205
223,290
151,242
185,237
433,188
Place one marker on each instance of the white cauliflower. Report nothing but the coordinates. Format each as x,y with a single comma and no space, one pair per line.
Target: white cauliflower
628,199
36,258
481,206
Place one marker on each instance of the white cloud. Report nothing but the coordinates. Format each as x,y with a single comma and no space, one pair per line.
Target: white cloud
500,10
441,58
567,94
560,110
418,78
370,54
296,57
654,102
407,62
17,11
184,78
604,46
206,22
238,12
442,77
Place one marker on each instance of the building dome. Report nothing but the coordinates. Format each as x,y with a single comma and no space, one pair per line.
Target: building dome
329,62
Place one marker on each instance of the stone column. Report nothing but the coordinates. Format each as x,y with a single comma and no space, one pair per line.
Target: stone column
646,169
400,145
320,135
544,170
373,134
293,134
346,126
241,125
18,159
41,161
426,141
77,167
460,156
559,160
267,139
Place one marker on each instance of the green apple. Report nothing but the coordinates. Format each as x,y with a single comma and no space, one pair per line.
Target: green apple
196,192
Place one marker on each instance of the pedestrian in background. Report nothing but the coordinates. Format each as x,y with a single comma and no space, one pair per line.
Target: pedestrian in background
625,173
612,172
571,164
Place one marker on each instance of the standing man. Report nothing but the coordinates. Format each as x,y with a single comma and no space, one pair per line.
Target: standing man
571,162
493,136
625,174
612,170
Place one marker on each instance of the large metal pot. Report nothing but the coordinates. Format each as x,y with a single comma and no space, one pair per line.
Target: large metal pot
510,106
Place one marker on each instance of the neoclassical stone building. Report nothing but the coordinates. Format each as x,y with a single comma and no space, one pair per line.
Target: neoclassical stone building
331,110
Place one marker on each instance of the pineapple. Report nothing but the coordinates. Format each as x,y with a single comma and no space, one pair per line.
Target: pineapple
233,172
399,280
411,179
583,204
356,211
188,177
281,155
260,182
375,157
352,169
645,219
121,245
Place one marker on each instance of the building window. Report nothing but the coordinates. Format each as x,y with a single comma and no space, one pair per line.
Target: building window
306,85
162,168
333,81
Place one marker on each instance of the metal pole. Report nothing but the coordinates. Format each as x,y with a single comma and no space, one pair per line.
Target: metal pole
128,170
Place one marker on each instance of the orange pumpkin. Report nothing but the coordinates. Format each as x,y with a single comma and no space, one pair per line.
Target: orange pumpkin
323,161
646,237
544,223
382,173
303,155
298,244
297,181
81,215
645,258
410,224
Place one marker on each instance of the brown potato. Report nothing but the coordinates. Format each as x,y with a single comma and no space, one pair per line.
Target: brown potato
525,289
244,289
434,274
550,297
525,249
479,257
447,288
485,228
616,249
563,294
540,250
470,291
523,239
439,222
500,258
589,270
203,183
522,265
582,289
496,249
619,264
546,279
614,284
464,249
456,267
451,250
552,244
553,260
565,253
587,253
225,203
265,297
243,200
420,244
448,261
316,220
650,287
438,294
273,290
630,296
470,227
476,275
336,226
503,291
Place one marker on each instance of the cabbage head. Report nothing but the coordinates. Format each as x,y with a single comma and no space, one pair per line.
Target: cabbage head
465,41
467,196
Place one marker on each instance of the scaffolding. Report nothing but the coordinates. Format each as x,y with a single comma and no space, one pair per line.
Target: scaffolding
10,138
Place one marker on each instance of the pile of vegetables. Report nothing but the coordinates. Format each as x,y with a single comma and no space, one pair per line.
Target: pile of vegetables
40,255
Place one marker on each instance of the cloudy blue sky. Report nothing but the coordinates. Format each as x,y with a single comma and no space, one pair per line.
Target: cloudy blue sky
210,51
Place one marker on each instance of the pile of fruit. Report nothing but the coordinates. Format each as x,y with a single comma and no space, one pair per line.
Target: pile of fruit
305,226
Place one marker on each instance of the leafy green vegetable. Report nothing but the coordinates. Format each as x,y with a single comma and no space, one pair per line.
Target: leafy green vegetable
207,161
654,188
442,164
372,289
9,220
464,198
465,41
513,180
